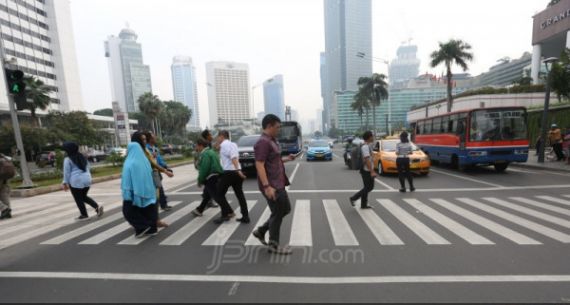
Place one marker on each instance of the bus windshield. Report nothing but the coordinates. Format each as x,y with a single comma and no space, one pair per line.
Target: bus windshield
497,125
288,133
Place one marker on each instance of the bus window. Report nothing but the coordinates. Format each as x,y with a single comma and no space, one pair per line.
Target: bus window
452,124
461,129
444,124
427,127
420,127
436,125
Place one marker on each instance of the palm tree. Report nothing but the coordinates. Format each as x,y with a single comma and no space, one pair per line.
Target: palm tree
151,106
375,89
360,105
449,53
37,96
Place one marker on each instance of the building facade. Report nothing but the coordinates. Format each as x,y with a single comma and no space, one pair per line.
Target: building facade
39,35
348,33
406,66
273,96
185,88
505,73
228,92
130,77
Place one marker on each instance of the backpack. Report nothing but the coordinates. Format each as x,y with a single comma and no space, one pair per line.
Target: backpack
7,169
356,157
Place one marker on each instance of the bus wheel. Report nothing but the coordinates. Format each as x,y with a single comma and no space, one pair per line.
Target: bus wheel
501,167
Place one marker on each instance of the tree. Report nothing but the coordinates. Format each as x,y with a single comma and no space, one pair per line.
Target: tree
33,138
37,96
449,53
73,126
560,76
173,118
375,89
104,112
360,105
151,106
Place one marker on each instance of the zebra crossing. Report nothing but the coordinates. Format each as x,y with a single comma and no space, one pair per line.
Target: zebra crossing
481,221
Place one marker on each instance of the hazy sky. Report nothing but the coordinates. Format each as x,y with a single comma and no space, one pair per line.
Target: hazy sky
284,37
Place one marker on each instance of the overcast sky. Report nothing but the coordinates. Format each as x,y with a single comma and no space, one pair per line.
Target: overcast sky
284,37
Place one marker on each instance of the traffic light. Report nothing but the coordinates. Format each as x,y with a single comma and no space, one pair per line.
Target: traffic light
15,82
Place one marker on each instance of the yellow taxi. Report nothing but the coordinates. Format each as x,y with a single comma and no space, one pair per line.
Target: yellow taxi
384,156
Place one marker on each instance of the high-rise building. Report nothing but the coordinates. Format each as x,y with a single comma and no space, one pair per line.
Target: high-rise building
185,88
348,33
506,72
273,96
406,66
228,92
39,35
130,77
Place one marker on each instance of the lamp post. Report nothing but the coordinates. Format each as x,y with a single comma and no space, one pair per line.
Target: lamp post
387,63
544,128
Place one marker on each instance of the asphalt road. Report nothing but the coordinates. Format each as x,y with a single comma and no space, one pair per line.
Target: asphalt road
476,236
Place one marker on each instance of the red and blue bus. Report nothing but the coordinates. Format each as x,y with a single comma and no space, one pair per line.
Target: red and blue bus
488,136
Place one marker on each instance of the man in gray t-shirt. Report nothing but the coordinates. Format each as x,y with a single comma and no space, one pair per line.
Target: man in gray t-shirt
367,172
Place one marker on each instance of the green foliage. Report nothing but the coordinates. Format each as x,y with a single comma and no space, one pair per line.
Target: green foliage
33,138
115,159
37,94
72,126
560,76
59,157
151,106
173,118
560,116
374,89
104,112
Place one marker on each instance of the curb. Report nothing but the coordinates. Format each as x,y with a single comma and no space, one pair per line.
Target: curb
538,167
54,188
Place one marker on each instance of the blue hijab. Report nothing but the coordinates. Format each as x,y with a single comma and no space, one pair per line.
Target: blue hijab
137,184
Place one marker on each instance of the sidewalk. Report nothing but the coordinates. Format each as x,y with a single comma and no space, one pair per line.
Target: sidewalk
532,163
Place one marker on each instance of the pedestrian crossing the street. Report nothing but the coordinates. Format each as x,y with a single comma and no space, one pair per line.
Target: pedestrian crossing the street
485,221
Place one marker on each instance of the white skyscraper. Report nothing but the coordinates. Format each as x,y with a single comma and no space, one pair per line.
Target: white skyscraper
39,35
406,66
184,87
130,77
228,92
273,96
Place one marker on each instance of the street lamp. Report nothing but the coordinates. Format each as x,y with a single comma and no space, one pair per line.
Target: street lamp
544,128
387,63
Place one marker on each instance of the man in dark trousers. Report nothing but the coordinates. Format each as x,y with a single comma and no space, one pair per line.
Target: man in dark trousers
366,171
206,135
272,182
232,175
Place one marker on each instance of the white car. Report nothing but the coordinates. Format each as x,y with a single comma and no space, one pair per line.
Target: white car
119,150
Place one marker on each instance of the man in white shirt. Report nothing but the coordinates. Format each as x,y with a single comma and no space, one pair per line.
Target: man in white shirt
232,175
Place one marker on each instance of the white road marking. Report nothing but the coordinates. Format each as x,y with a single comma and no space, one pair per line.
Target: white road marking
179,237
384,184
118,229
452,225
224,232
554,199
486,223
251,240
341,231
365,280
379,228
534,213
172,218
293,175
183,187
536,227
542,205
466,178
301,231
420,229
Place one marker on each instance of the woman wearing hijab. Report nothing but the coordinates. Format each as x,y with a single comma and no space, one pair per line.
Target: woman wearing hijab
403,150
139,192
140,138
77,178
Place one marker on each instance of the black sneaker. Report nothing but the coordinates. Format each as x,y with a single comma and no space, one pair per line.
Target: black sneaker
351,201
259,236
212,204
82,217
366,207
412,189
100,211
243,220
166,208
286,250
402,190
142,233
7,213
151,232
222,220
197,213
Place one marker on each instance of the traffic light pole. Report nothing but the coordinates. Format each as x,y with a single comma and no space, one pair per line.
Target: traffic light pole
26,180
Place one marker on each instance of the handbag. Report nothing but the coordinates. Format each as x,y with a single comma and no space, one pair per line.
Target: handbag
156,179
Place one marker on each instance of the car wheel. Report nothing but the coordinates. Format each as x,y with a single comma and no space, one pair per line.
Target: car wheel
380,169
501,167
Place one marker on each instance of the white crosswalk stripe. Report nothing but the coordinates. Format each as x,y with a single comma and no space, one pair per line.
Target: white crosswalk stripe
251,240
172,218
548,232
226,229
379,228
419,228
556,220
452,225
301,231
41,215
341,231
179,237
114,231
488,224
554,199
542,205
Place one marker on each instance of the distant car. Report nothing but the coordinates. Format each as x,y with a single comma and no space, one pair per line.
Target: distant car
246,153
384,158
46,158
96,156
119,150
167,149
319,149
